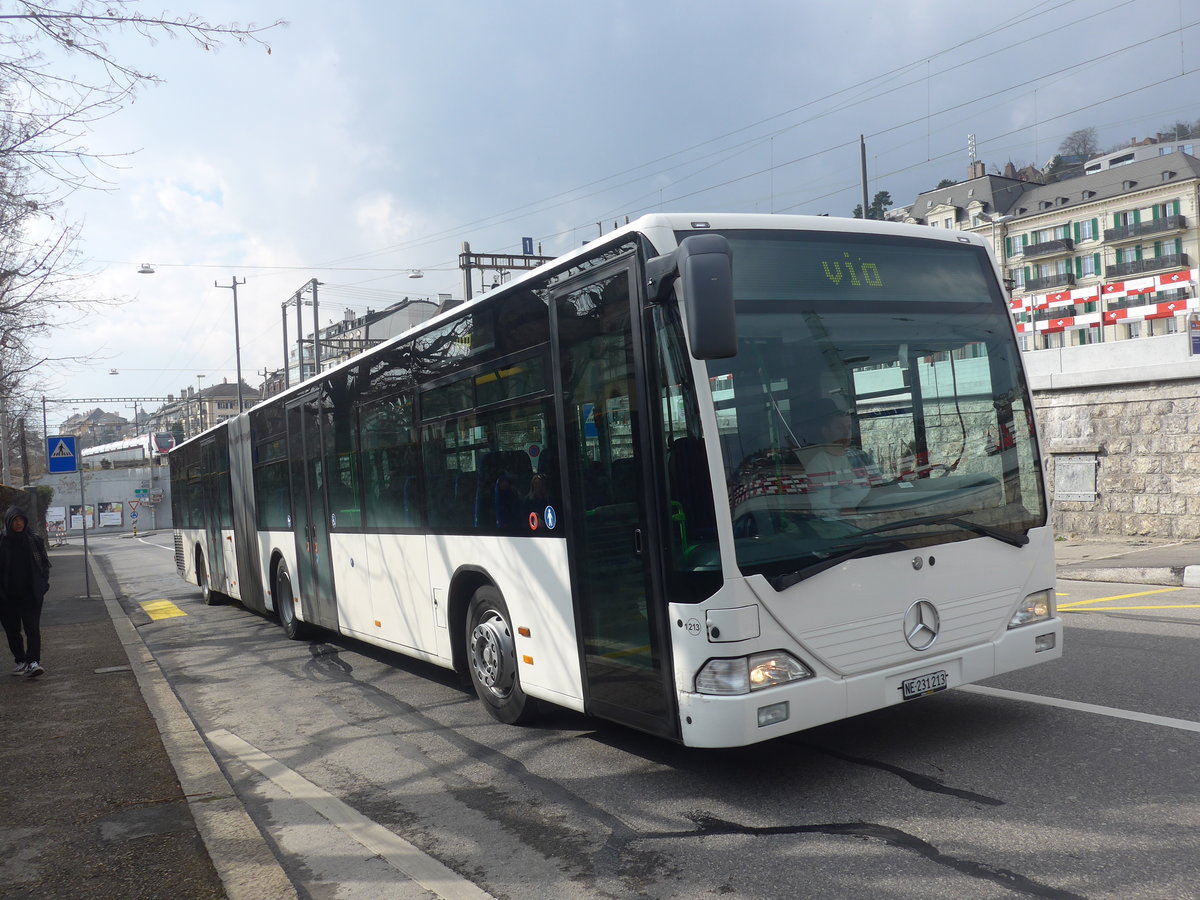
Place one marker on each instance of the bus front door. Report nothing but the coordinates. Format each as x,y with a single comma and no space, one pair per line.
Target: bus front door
310,524
619,604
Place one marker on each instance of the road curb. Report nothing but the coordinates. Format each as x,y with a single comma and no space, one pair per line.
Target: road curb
244,861
1175,576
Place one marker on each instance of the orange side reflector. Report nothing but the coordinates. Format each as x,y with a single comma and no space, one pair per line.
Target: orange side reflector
528,660
378,624
523,631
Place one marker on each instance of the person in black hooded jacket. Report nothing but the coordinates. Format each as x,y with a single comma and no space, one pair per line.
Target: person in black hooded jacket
24,580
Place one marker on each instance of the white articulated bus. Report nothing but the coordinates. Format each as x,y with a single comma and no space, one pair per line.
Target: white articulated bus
720,478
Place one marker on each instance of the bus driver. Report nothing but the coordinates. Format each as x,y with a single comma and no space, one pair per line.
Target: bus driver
836,470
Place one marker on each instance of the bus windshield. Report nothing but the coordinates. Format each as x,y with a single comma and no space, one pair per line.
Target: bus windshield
876,401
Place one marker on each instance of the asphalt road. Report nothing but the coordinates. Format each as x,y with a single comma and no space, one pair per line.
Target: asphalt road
1076,779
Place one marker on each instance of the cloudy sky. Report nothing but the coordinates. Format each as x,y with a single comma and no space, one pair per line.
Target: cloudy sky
377,136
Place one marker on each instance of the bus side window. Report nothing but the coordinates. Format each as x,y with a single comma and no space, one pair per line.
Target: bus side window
502,484
691,487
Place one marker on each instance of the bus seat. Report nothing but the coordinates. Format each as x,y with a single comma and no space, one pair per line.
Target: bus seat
501,484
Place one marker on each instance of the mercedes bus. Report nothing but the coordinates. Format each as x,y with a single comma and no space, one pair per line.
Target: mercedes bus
717,477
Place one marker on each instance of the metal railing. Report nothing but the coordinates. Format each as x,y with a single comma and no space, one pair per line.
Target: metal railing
1049,248
1141,266
1155,226
1059,279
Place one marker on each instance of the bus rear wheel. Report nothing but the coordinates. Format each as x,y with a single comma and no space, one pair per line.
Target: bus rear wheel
492,658
210,596
285,606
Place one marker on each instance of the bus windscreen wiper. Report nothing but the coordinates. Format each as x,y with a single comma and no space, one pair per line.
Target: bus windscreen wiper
1001,534
787,579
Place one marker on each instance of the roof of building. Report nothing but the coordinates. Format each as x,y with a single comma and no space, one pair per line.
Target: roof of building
1149,173
996,193
227,389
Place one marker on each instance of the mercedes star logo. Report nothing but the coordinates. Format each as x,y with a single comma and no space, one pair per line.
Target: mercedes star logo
921,625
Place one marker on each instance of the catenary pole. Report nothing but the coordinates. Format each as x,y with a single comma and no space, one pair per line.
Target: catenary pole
237,336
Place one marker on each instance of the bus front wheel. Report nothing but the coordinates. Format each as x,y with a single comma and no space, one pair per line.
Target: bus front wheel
492,658
285,606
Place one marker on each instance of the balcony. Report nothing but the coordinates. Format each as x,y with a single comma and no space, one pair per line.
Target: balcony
1061,279
1142,266
1156,226
1050,248
1130,302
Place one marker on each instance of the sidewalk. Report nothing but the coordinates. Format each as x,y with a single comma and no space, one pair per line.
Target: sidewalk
1129,560
94,753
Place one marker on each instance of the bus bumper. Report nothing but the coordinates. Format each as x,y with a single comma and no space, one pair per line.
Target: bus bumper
719,721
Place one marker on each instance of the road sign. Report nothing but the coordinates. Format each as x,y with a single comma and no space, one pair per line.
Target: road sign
141,492
133,516
60,454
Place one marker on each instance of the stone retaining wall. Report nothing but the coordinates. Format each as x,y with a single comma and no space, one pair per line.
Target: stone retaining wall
1145,439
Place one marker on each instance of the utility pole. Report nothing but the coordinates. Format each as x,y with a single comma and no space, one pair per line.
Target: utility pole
237,336
24,452
287,375
862,158
4,461
316,329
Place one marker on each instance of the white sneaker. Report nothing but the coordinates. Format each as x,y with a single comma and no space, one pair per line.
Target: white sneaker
34,669
20,668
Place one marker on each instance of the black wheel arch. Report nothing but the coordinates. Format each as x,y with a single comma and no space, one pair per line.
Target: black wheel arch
273,574
465,581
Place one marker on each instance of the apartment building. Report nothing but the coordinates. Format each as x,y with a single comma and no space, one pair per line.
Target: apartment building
1101,257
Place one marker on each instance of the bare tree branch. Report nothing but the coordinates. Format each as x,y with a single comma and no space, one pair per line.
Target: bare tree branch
45,118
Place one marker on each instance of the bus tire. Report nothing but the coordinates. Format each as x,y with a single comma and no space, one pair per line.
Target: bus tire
285,606
210,596
492,658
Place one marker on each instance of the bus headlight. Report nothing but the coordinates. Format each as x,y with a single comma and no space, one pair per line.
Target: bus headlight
745,674
1034,608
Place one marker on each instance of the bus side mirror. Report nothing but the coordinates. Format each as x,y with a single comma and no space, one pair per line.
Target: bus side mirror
704,266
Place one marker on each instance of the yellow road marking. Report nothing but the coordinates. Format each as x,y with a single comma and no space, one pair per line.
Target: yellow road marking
161,609
1109,608
1118,597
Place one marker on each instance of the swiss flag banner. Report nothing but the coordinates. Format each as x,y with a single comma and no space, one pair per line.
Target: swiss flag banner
1024,327
1018,304
1113,287
1060,324
1166,310
1149,289
1114,314
1174,277
1058,296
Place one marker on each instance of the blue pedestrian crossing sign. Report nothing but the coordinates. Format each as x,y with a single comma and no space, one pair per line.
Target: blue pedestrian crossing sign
60,454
